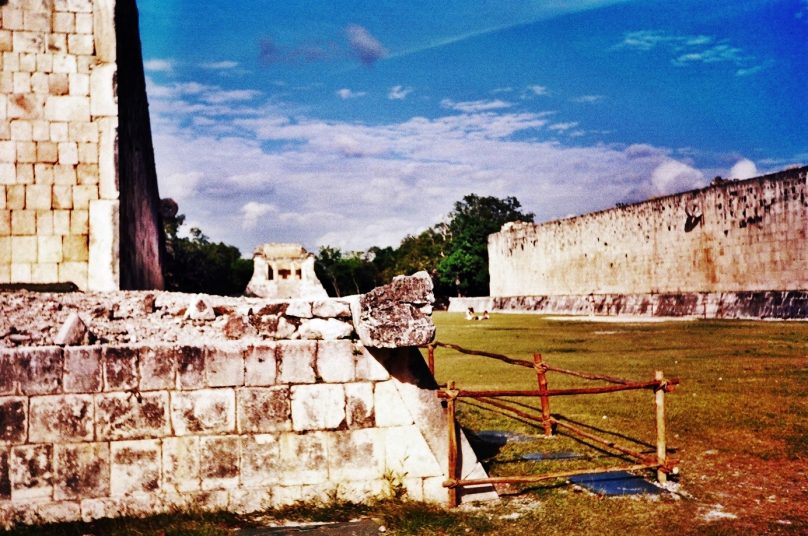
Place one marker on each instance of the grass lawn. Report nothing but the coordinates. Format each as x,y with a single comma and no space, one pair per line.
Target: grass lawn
738,424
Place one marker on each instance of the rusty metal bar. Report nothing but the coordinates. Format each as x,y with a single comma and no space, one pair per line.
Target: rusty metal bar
587,375
549,476
538,366
506,407
500,357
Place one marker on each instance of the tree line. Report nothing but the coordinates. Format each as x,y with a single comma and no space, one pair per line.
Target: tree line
453,252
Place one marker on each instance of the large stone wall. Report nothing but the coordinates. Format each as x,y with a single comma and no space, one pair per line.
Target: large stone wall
301,408
731,237
60,214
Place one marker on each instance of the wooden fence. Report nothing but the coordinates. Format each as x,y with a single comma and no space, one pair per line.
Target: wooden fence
496,398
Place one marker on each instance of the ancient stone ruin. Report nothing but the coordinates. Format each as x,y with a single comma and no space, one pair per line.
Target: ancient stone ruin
284,271
735,249
264,403
78,189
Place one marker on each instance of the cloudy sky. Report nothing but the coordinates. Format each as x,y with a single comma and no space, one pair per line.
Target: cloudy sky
352,123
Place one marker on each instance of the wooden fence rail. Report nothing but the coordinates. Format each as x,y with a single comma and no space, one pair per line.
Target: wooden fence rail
660,385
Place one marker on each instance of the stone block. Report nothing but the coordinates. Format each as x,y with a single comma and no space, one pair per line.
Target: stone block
325,329
103,258
260,460
38,196
39,370
318,407
5,230
389,407
43,173
158,368
219,462
368,366
20,273
26,152
8,151
47,151
299,309
81,471
79,84
58,85
21,82
68,151
82,369
65,175
8,381
80,44
23,222
297,361
181,464
392,316
407,453
262,410
331,308
31,472
13,420
245,501
66,63
49,248
336,361
359,411
84,23
103,97
25,106
44,225
44,272
74,272
23,248
200,308
224,365
13,19
36,21
203,411
80,222
15,196
66,107
25,173
23,42
356,455
260,367
75,248
86,173
107,168
135,467
304,458
60,418
72,332
191,367
434,491
88,154
5,481
61,221
120,368
131,415
64,22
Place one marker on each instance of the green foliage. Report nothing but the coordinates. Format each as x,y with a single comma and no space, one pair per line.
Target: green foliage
465,266
195,264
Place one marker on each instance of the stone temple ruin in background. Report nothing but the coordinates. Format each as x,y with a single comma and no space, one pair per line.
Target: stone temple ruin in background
78,188
283,271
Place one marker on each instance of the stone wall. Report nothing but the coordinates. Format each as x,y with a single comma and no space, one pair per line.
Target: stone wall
732,237
309,412
59,192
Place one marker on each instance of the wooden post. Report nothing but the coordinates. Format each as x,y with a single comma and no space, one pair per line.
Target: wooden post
662,449
454,473
431,359
546,419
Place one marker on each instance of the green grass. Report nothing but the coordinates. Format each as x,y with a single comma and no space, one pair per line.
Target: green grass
738,423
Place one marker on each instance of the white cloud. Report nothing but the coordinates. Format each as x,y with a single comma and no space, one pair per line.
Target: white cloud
364,45
743,169
252,212
346,93
588,99
399,92
672,176
158,65
475,106
561,127
253,172
220,65
538,90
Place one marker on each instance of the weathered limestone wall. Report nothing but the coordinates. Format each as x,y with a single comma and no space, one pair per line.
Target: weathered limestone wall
59,196
738,236
108,430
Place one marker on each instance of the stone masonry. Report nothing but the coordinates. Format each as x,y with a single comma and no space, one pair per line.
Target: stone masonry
732,244
263,420
60,202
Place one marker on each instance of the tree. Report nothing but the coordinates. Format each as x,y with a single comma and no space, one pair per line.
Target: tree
195,264
348,273
464,268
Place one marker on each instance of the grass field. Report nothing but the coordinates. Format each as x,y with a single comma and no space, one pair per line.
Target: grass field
738,423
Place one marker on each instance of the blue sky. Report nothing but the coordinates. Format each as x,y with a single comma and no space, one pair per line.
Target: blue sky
355,123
